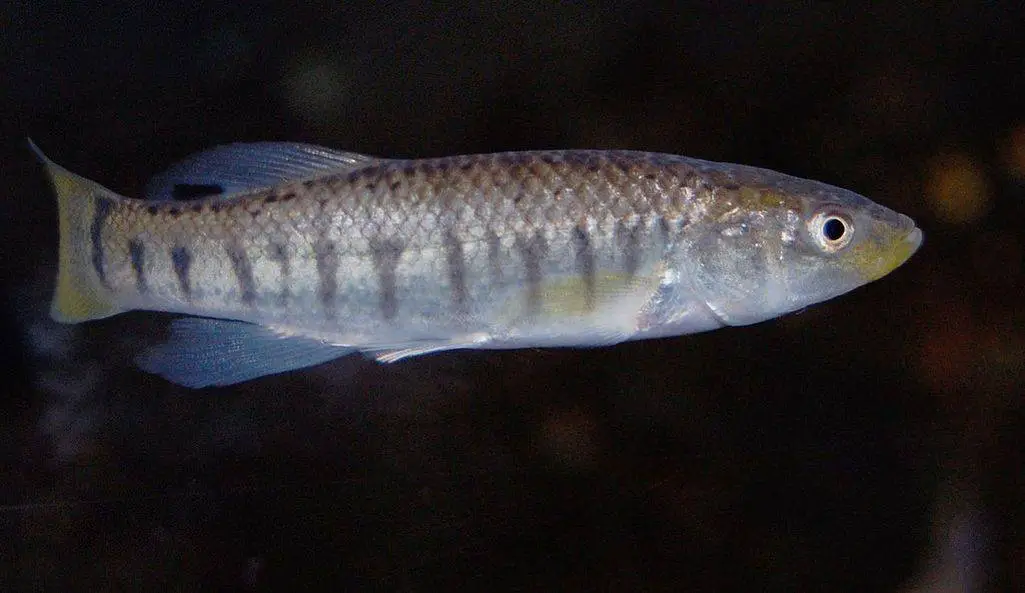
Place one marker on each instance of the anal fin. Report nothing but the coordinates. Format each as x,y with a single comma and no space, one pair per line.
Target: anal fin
203,352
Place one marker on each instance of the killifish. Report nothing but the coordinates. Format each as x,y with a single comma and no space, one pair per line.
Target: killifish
287,255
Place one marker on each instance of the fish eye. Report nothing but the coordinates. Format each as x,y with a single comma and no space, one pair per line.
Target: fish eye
832,231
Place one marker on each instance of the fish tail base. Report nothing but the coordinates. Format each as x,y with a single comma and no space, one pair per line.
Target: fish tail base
79,294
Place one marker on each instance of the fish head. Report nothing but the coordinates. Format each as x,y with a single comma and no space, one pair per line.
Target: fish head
772,244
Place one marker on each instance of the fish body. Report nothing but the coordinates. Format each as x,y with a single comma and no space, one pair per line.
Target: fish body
307,254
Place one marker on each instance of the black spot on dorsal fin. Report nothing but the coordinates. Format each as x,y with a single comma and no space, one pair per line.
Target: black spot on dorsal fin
194,191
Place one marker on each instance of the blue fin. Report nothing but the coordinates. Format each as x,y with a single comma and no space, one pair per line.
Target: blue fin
235,168
201,352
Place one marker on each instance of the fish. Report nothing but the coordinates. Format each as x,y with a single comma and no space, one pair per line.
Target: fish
282,256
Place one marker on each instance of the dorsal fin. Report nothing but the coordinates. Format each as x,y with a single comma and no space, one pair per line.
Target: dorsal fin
233,168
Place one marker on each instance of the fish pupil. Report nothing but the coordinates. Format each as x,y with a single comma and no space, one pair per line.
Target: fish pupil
834,229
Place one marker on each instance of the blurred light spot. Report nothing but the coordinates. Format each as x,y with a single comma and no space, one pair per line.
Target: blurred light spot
1014,153
958,558
1003,359
568,437
997,258
957,189
893,97
947,352
223,56
253,569
316,88
53,340
964,351
68,420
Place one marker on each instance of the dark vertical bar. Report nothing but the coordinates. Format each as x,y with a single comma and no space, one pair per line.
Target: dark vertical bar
628,239
533,250
181,260
386,260
137,256
665,232
243,273
327,275
456,270
494,257
670,229
585,263
279,253
100,213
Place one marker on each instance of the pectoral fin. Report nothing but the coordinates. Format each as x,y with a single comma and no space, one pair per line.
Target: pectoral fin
395,352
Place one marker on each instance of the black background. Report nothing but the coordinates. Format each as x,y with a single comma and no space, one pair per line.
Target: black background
871,443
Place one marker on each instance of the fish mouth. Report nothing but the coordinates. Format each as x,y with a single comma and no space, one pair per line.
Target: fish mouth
877,259
912,241
904,248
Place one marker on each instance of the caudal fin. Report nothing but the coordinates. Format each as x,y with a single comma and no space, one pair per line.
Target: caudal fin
82,206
